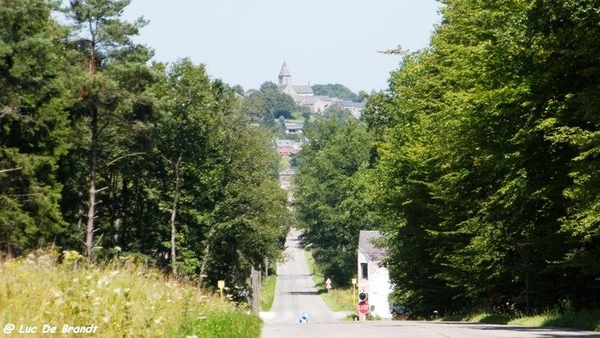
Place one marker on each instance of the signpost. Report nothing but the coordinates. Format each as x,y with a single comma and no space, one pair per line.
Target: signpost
328,284
363,307
221,286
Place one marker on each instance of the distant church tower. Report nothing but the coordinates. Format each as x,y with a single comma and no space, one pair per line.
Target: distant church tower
284,76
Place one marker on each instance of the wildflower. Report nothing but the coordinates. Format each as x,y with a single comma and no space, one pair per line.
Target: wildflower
102,281
71,256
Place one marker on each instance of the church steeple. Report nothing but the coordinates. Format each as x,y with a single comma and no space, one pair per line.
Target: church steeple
284,75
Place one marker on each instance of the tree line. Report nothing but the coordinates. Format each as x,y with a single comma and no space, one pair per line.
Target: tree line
103,151
482,168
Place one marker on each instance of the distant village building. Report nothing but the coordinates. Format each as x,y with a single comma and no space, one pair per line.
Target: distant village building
294,128
286,86
373,277
286,178
288,147
304,96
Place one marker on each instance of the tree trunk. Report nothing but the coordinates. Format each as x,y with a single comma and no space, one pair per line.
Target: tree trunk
89,238
206,253
176,166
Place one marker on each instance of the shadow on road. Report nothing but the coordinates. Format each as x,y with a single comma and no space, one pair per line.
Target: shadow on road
303,293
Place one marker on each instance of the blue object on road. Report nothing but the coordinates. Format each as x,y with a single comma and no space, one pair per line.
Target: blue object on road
303,318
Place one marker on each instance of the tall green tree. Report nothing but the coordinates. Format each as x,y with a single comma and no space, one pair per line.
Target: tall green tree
218,190
113,76
186,138
250,219
335,90
329,192
33,125
564,82
476,157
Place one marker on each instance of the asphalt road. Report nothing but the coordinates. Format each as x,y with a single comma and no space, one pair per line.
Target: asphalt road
295,293
414,330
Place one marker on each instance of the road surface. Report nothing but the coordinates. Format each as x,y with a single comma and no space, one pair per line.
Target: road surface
389,329
295,293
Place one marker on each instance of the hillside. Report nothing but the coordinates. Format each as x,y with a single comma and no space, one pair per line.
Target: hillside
120,299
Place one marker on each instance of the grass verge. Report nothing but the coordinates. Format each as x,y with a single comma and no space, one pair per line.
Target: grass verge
583,320
336,299
267,292
223,325
120,299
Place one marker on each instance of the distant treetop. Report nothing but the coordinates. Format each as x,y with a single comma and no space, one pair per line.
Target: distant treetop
335,90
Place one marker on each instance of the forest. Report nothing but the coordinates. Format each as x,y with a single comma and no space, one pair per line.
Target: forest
480,164
108,153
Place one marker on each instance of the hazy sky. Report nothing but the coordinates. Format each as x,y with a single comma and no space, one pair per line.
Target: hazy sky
323,41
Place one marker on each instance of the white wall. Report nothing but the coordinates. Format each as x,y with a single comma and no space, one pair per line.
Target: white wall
377,286
379,290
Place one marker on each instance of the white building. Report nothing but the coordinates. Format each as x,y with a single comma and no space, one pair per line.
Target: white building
373,278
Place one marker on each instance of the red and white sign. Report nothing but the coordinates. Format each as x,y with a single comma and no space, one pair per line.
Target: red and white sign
363,307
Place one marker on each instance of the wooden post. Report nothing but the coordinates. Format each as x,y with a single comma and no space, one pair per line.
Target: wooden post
255,283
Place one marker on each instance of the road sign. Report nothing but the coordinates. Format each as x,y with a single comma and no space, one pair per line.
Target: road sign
363,307
363,296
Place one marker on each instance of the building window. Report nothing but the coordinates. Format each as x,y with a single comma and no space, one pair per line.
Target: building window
364,270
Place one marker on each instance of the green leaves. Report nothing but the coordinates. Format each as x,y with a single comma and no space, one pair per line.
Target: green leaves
487,156
33,126
330,195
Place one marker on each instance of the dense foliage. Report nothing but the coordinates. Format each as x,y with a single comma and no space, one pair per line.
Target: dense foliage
267,104
337,91
101,152
329,194
33,125
487,173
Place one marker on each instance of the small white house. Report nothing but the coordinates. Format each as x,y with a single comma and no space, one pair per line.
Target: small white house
373,278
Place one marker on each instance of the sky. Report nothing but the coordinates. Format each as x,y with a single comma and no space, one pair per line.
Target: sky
245,42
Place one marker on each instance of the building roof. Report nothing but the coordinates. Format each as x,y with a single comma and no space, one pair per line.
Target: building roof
284,143
288,172
366,245
352,104
309,100
303,89
284,70
293,126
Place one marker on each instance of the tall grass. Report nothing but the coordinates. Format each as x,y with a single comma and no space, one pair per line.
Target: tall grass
122,299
